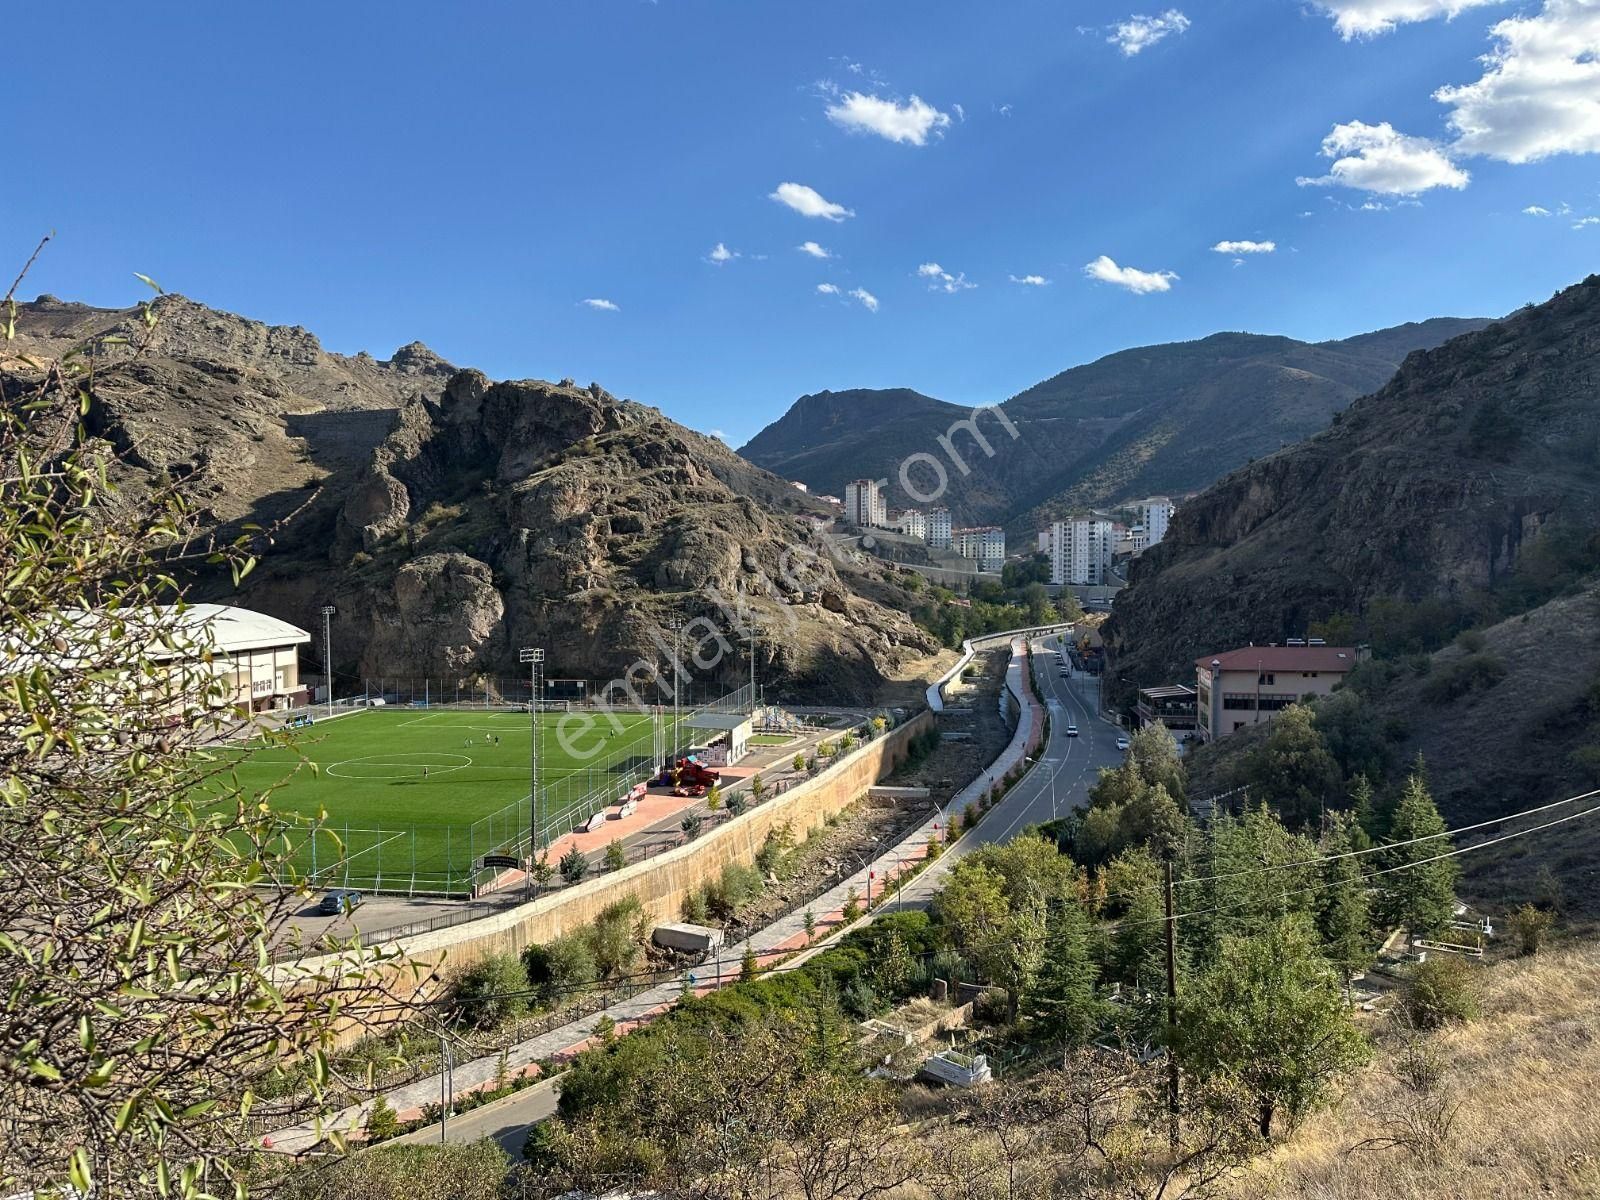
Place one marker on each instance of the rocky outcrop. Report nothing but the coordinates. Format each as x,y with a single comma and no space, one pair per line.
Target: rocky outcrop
498,515
1435,486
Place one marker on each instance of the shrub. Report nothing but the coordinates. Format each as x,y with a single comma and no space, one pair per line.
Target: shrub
542,871
758,786
560,968
852,906
1440,990
955,826
1475,672
847,743
695,908
825,749
750,966
617,937
1530,924
969,816
799,762
811,926
776,847
489,993
736,803
382,1121
880,723
616,856
812,765
574,866
714,797
691,825
736,886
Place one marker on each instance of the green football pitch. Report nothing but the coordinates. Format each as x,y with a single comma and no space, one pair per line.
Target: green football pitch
415,797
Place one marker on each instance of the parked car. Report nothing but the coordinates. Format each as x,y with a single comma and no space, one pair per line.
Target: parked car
1122,742
340,900
1072,731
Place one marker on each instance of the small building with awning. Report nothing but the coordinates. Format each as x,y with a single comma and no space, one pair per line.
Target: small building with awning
722,739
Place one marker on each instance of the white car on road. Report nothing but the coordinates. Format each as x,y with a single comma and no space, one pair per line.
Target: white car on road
1122,742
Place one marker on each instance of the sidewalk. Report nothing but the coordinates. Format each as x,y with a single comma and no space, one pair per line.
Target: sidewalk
771,945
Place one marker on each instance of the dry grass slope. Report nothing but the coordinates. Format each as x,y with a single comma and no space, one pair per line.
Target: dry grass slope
1516,1093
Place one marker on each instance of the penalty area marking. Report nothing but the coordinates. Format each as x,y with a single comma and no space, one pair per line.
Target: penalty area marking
397,766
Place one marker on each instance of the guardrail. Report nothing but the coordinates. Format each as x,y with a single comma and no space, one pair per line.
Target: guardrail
971,645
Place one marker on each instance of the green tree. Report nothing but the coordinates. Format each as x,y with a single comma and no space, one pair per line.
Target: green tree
1268,1017
1417,889
1060,1004
1138,945
1530,925
1344,918
382,1123
1364,808
144,893
1036,600
1293,769
749,965
616,856
490,992
574,866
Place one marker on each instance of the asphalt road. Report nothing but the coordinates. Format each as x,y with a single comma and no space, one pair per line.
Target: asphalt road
1070,765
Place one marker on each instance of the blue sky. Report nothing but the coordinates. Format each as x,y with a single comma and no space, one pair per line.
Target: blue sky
469,175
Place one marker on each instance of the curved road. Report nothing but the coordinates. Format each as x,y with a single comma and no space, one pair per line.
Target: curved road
1070,765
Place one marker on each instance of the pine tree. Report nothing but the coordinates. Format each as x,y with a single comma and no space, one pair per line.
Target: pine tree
1364,808
1419,898
1344,918
1060,1004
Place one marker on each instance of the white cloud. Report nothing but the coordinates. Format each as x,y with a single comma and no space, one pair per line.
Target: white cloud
828,289
940,280
868,300
808,202
1030,280
1541,92
1139,33
721,254
1245,247
1368,18
961,113
718,434
1537,210
1377,158
1004,110
911,122
603,305
1141,282
1584,222
814,250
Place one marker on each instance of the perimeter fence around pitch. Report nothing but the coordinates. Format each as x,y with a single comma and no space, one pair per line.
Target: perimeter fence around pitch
449,861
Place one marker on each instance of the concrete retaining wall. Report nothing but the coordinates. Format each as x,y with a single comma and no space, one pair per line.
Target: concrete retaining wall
661,883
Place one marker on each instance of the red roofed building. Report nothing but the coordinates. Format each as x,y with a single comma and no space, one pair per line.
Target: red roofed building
1253,684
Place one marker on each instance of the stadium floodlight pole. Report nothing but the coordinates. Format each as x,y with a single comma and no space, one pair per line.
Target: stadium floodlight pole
327,651
533,656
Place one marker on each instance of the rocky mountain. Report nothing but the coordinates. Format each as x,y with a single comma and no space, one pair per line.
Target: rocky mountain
1157,419
1464,491
453,520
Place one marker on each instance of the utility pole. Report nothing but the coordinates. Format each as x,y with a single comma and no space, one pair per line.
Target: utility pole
1172,1009
534,657
327,651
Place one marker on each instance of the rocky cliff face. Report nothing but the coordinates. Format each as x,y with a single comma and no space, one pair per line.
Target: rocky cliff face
1435,486
454,520
507,514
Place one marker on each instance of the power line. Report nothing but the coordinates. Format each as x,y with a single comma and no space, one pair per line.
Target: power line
1379,849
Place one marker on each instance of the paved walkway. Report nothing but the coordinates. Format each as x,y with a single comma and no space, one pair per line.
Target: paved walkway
773,944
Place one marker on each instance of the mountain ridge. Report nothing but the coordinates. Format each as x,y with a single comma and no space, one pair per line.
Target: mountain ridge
1150,419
